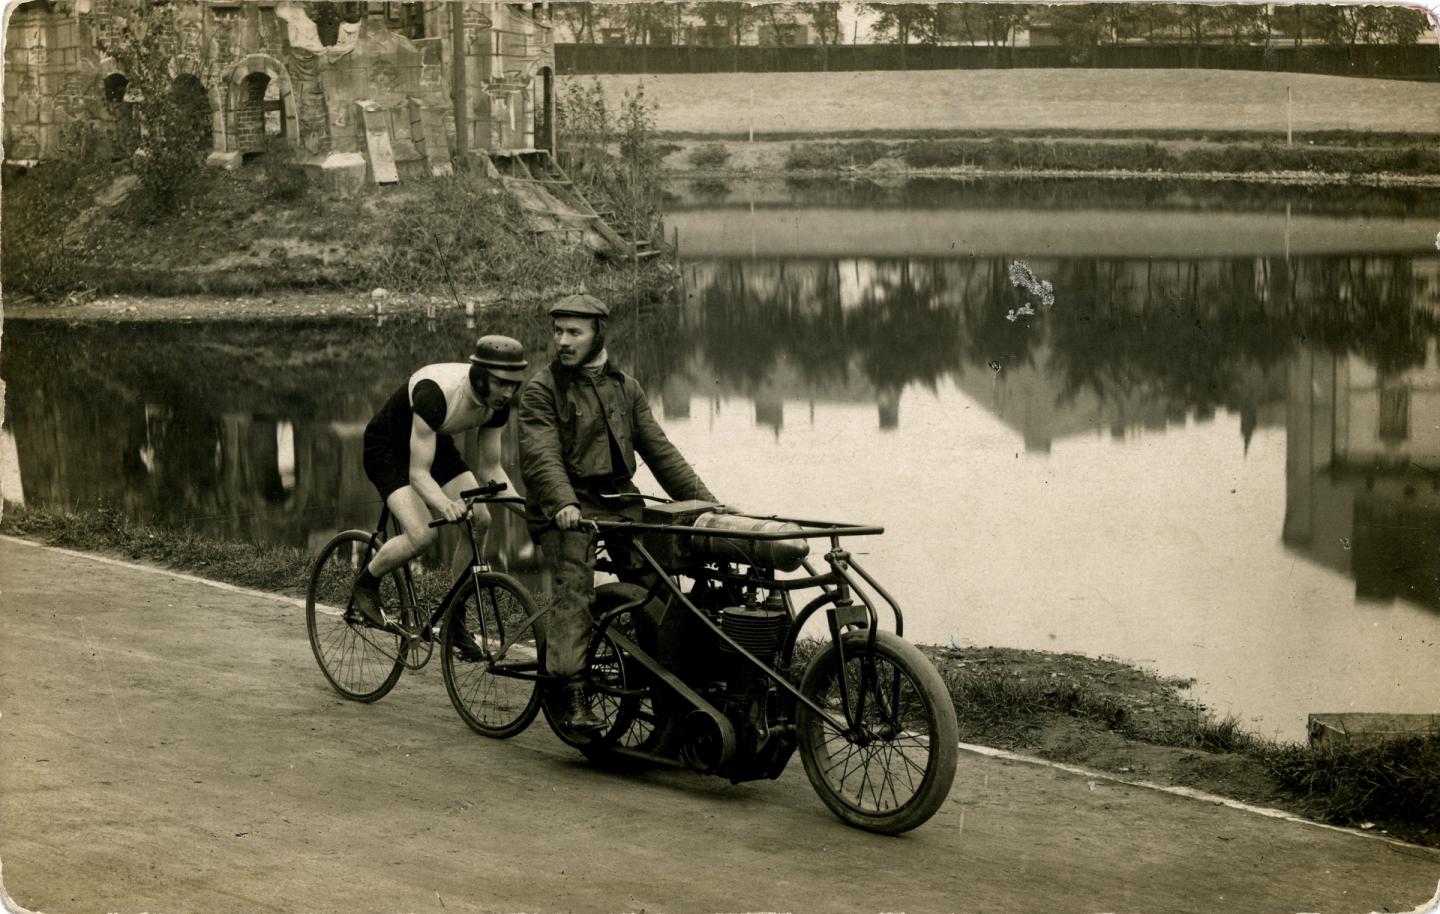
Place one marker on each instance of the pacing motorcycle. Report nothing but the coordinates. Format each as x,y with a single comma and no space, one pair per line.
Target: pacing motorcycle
698,660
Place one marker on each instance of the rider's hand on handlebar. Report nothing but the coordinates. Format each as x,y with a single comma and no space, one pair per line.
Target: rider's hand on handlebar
567,518
454,510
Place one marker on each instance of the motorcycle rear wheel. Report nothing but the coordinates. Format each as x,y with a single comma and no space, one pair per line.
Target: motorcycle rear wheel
628,722
897,772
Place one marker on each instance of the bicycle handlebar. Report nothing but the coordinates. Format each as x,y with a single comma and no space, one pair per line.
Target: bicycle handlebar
487,494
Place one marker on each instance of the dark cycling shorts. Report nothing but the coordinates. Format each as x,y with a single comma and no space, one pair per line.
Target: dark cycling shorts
388,465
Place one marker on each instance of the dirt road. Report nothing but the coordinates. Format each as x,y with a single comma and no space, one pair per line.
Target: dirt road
169,746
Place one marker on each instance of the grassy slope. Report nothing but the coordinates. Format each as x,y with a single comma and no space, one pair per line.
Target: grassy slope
1212,100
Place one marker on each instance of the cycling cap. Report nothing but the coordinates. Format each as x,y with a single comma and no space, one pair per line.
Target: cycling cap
579,305
501,356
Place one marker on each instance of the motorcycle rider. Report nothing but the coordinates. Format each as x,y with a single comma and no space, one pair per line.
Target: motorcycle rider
582,421
411,457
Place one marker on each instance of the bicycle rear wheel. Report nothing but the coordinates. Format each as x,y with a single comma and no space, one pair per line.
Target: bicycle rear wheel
896,773
361,662
492,654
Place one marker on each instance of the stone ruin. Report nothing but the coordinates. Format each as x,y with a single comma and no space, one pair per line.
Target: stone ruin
370,102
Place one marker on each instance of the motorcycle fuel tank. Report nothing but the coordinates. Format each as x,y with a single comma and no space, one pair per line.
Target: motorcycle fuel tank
782,555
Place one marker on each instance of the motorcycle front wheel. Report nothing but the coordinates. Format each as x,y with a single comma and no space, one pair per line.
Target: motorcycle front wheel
893,770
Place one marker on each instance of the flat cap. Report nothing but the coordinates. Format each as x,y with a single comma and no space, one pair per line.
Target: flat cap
579,305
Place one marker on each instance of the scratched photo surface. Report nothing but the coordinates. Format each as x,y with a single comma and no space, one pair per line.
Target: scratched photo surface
1123,321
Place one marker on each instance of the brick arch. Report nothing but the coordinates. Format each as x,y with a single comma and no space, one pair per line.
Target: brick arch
117,125
235,95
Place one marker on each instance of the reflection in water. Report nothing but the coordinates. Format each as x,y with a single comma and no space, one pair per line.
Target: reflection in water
1363,472
1132,471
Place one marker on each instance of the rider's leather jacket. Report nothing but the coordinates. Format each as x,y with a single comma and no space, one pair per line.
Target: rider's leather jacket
579,432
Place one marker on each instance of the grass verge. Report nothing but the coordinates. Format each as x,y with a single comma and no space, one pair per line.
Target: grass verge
1109,715
1095,712
1006,154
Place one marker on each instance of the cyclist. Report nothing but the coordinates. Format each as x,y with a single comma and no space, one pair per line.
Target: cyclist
582,420
411,457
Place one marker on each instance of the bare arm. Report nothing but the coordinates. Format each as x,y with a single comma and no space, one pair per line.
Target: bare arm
422,455
490,456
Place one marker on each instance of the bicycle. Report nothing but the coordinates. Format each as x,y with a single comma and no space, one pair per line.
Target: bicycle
363,662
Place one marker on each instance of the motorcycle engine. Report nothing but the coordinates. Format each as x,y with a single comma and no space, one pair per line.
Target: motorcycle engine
747,696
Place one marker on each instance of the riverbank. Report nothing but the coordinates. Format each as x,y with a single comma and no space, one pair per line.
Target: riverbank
1096,712
1004,155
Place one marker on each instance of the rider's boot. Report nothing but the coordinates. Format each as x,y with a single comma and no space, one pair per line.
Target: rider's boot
579,717
465,645
366,597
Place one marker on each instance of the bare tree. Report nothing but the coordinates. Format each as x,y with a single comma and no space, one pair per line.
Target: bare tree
825,20
904,24
579,18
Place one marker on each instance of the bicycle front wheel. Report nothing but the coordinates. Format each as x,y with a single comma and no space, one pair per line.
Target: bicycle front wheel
893,771
361,662
492,655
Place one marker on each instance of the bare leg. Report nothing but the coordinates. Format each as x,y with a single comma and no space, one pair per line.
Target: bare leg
415,537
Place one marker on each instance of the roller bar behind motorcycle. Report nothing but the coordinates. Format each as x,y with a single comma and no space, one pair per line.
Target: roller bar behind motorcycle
697,660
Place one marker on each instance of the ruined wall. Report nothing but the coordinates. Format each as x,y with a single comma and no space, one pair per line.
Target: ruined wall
270,79
46,86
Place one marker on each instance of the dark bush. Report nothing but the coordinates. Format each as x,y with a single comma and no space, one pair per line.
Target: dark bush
710,155
42,252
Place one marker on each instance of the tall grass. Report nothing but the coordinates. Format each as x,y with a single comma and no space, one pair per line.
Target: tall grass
1394,780
464,232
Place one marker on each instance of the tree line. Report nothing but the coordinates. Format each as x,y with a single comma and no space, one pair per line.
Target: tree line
1080,25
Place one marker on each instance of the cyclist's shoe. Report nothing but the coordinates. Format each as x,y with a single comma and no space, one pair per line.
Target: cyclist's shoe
465,647
367,602
579,716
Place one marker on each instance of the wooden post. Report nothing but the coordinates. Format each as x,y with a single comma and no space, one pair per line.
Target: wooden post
1289,117
750,115
457,79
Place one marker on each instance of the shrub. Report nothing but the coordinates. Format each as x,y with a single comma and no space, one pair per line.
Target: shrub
173,115
831,156
40,256
710,155
865,152
629,182
813,157
284,179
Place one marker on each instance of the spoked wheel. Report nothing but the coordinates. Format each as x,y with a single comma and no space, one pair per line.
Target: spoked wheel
628,721
362,662
895,772
491,655
607,671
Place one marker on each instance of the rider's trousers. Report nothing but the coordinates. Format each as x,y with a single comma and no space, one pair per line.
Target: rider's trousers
566,629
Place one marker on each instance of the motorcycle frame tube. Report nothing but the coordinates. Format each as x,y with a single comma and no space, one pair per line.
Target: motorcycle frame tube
770,673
